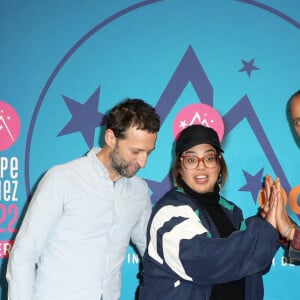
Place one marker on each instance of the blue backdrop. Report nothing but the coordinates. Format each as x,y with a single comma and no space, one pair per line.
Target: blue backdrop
60,57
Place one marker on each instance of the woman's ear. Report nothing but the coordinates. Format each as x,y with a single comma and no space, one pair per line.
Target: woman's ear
219,181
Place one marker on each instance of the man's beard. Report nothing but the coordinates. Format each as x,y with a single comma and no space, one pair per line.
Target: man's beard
120,165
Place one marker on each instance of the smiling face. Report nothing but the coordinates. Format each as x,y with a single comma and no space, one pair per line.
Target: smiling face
201,179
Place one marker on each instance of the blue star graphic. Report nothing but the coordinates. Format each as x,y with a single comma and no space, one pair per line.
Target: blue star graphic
85,117
254,184
159,188
248,67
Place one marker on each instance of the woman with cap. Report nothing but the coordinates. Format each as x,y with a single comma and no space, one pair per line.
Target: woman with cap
199,246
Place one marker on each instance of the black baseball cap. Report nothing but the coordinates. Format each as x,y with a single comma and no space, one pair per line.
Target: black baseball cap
194,135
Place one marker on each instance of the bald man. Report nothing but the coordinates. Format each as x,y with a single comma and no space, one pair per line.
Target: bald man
294,110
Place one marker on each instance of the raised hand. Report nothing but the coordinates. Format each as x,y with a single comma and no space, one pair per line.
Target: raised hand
270,211
284,224
267,195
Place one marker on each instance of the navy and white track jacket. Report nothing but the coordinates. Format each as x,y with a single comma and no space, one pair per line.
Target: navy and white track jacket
185,256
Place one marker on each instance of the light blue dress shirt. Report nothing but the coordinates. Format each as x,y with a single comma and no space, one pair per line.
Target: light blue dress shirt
75,234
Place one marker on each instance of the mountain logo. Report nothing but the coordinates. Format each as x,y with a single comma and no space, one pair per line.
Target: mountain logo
199,114
10,125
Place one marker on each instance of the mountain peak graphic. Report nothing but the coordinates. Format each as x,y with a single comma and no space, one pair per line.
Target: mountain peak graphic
4,126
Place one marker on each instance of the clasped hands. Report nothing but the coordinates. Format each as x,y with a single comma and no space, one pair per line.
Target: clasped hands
273,209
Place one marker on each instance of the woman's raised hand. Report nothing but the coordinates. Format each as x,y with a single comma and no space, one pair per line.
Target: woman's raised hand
270,207
273,209
267,195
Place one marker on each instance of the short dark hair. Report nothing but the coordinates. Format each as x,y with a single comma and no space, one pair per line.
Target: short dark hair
132,112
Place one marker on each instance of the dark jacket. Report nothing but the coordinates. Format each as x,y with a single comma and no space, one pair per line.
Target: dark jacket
185,256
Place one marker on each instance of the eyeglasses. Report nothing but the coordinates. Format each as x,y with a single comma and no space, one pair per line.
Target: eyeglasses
191,162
